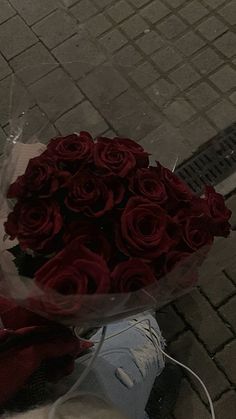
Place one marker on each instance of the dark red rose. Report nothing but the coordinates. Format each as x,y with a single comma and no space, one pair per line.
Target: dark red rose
91,237
141,156
35,224
23,351
131,276
219,212
176,188
196,231
113,157
143,230
41,178
75,271
16,317
146,182
71,150
89,194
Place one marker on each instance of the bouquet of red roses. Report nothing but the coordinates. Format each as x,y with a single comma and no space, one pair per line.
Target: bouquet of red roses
102,234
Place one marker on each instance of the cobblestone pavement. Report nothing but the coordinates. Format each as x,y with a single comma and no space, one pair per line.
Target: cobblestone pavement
162,72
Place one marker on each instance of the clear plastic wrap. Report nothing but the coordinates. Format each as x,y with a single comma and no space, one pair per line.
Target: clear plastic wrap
36,115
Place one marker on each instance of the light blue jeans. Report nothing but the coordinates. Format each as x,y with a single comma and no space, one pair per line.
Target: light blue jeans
126,368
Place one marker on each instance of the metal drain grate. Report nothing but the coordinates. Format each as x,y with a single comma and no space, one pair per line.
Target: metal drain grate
213,164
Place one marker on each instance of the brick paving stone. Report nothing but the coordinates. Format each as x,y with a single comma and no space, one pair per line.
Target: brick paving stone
83,117
207,61
139,3
231,271
98,24
55,93
79,56
134,26
166,137
69,3
127,56
225,78
145,74
231,203
198,131
189,43
103,4
188,350
228,12
226,405
102,85
162,92
189,405
184,76
5,70
150,42
228,312
166,58
83,10
226,44
179,111
193,11
33,63
130,115
155,11
223,114
34,10
203,95
217,289
169,322
120,11
220,257
113,40
13,45
213,3
110,133
212,28
226,359
2,140
6,11
233,97
172,27
204,320
175,3
63,26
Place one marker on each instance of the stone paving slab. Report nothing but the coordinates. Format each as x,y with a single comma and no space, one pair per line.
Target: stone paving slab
164,73
185,50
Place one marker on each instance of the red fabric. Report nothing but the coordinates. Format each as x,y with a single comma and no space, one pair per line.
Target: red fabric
23,349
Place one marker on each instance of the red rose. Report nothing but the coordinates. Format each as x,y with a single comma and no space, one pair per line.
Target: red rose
75,271
35,224
113,157
131,276
176,188
143,230
23,352
219,212
89,194
87,232
41,178
71,150
147,182
196,232
136,149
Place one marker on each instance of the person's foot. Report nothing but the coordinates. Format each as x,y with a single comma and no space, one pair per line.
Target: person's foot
164,393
